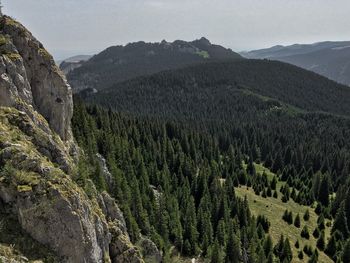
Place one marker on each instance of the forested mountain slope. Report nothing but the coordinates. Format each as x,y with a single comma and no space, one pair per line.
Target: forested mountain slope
289,120
119,63
210,88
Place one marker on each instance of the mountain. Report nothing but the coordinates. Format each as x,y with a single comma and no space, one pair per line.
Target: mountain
204,163
71,63
330,59
216,83
120,63
45,214
287,127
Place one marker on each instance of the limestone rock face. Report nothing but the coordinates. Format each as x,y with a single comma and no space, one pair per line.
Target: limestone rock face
28,72
49,205
37,167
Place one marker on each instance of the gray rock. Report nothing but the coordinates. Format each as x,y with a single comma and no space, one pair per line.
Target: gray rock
28,72
150,250
106,173
36,140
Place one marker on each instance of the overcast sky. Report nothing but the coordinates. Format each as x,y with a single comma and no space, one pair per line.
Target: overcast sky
70,27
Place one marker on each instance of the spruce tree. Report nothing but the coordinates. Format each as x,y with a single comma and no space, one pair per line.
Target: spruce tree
331,248
340,222
297,221
323,194
300,255
347,208
297,245
321,242
316,233
233,251
216,254
314,257
287,254
268,245
346,252
305,232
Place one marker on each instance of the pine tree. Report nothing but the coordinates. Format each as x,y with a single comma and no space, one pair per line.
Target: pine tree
314,257
331,248
321,243
305,232
287,254
268,245
340,222
316,233
261,258
274,183
297,221
347,208
306,215
190,228
346,252
233,253
278,249
323,194
216,254
300,255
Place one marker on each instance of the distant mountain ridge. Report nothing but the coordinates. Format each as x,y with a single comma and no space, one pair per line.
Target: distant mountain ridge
71,63
120,63
330,59
217,83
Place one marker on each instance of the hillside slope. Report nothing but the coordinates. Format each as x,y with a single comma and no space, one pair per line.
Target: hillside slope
210,88
120,63
330,59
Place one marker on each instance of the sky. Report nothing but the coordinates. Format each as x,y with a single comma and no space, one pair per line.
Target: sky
73,27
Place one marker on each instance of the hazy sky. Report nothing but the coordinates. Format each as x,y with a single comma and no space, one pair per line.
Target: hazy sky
69,27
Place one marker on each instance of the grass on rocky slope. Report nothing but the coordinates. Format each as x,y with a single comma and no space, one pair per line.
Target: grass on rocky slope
274,209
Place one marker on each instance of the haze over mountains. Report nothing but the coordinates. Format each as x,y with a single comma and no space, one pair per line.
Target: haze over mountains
120,63
330,59
71,63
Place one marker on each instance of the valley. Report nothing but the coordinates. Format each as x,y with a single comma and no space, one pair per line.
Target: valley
163,152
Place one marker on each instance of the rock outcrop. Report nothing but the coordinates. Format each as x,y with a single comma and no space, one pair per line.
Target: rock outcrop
37,168
49,206
28,72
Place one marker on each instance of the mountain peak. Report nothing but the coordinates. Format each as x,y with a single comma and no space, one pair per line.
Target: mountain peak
203,41
120,63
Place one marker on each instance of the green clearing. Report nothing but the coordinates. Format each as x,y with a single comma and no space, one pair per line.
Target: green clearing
274,209
203,54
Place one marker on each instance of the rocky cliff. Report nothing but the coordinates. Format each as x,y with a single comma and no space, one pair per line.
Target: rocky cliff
44,214
28,72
